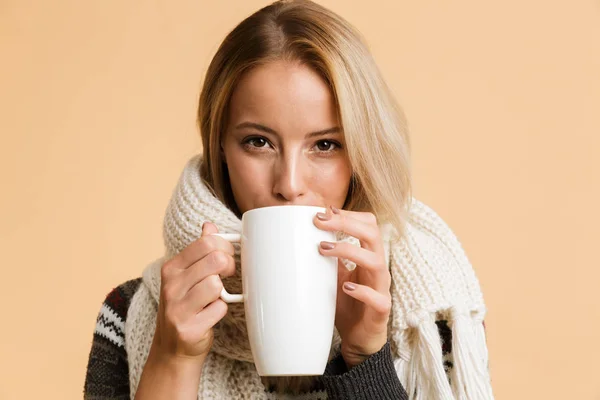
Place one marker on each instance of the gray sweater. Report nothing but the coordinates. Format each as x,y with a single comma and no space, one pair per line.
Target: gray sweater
107,374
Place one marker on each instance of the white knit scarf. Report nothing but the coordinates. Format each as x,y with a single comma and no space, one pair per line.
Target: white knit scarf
432,279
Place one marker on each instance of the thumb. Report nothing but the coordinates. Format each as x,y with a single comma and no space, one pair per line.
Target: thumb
208,228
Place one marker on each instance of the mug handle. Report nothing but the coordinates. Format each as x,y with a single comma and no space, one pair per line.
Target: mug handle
225,295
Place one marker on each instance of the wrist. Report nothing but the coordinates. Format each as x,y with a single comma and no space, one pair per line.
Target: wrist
168,376
353,356
181,365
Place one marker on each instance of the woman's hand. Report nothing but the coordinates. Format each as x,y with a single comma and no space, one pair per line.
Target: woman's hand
190,303
364,299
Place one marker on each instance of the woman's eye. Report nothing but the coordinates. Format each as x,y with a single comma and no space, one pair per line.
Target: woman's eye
256,142
326,145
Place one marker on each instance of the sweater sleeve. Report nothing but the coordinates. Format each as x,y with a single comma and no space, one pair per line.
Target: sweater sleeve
107,375
373,379
376,377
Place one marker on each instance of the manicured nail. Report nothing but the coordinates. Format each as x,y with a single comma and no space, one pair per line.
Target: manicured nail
327,245
349,286
335,210
323,216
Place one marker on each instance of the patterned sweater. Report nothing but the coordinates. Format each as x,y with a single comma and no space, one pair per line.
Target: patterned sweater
107,375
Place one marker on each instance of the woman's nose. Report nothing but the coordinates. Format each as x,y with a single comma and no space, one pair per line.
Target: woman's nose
290,180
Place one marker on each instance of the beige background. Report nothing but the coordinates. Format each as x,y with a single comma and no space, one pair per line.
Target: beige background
97,117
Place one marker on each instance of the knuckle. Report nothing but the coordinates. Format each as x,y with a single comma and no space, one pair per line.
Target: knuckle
387,307
218,258
215,285
214,312
209,242
230,269
166,268
169,291
371,218
220,309
386,303
343,223
372,235
230,248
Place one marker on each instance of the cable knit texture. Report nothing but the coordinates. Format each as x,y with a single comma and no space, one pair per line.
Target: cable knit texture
432,279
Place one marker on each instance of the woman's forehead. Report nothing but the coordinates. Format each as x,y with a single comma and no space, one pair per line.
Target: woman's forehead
282,87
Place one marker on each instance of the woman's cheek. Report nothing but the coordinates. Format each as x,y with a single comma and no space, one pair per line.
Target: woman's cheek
245,178
333,183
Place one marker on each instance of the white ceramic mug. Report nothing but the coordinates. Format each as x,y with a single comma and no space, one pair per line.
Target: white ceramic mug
289,289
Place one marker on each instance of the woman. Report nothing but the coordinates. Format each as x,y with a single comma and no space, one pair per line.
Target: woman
294,111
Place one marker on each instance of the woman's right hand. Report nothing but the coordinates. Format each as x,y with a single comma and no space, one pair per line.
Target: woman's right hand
190,303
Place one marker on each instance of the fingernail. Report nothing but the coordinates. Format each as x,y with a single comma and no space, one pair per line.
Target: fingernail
327,245
335,210
349,286
323,216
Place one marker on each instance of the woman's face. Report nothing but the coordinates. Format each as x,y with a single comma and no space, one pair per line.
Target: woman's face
283,144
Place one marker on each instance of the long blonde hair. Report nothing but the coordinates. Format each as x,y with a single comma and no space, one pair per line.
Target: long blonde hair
373,124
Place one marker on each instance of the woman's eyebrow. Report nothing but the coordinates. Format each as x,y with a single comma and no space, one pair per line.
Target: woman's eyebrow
265,129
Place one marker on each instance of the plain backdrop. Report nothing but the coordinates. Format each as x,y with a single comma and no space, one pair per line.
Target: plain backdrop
97,119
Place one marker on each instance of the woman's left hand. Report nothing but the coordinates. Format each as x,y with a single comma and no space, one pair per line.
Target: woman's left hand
363,299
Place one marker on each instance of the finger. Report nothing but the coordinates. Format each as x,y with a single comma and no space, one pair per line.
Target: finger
380,303
343,272
364,258
210,315
343,275
214,263
366,232
367,217
201,295
208,228
208,231
200,248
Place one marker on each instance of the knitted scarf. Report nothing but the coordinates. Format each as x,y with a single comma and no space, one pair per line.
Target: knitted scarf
432,279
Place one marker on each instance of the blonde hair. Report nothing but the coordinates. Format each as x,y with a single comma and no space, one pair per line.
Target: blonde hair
373,124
